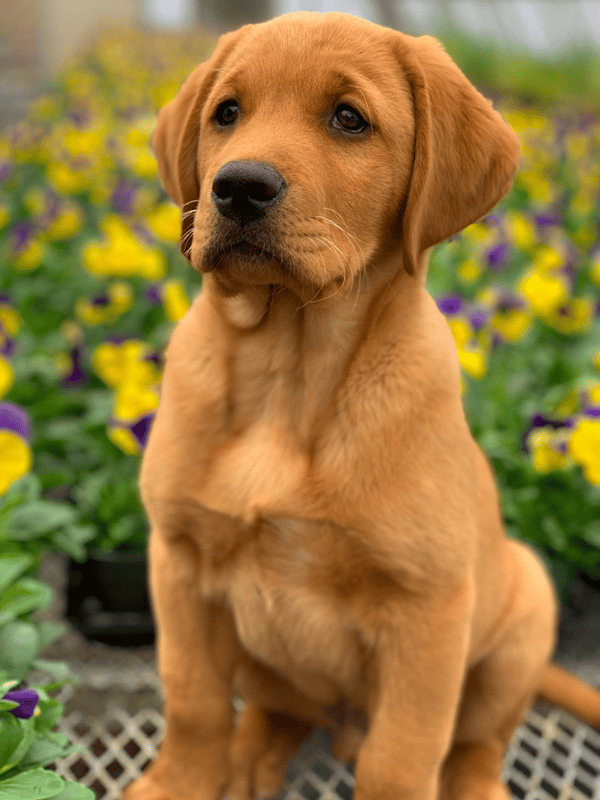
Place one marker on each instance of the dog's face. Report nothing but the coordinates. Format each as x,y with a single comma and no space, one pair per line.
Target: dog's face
308,147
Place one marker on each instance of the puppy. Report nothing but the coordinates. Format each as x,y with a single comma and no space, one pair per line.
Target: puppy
326,538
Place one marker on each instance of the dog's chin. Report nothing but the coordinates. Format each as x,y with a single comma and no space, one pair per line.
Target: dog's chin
244,266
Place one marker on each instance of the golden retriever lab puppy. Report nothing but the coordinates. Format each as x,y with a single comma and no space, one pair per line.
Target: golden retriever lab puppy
326,541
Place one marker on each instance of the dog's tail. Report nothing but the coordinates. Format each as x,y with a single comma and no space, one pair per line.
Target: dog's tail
565,690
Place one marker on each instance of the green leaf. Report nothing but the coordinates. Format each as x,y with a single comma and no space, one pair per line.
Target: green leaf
49,632
35,784
75,791
70,540
46,749
28,594
16,736
5,705
38,518
57,668
11,566
49,711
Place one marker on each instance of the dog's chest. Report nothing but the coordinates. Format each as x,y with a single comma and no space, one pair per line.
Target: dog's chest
287,605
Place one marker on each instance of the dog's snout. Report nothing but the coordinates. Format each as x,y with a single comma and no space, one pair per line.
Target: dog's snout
244,190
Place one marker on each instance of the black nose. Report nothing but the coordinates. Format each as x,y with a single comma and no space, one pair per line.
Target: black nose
244,190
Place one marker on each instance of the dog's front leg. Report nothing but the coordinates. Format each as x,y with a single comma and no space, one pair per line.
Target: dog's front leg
416,677
196,646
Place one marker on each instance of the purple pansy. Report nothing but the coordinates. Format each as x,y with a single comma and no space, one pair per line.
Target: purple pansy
122,198
13,418
478,319
497,255
141,429
76,376
27,700
152,294
546,219
450,304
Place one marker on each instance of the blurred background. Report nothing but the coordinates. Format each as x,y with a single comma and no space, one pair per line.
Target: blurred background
92,283
37,36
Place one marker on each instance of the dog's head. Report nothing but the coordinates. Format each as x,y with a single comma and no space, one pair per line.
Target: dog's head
308,146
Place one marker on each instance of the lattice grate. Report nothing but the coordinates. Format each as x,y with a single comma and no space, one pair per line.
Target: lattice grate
552,757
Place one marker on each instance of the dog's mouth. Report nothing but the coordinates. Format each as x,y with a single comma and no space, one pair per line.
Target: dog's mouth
245,258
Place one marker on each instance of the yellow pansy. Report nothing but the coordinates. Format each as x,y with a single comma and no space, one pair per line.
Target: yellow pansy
584,448
67,180
521,230
595,268
133,401
30,257
461,329
7,377
83,142
124,439
118,300
15,458
122,253
469,270
165,222
145,165
66,224
10,319
548,449
512,324
175,300
544,292
547,258
473,361
575,316
126,363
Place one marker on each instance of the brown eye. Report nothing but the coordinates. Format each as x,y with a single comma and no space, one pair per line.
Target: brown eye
227,113
347,118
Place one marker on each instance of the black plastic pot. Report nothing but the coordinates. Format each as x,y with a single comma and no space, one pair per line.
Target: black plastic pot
107,598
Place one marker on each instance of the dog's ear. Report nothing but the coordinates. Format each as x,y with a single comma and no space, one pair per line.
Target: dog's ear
176,136
465,157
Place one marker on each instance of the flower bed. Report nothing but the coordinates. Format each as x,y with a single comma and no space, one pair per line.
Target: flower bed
91,282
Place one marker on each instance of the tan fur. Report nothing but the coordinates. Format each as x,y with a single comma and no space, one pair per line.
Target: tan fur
326,540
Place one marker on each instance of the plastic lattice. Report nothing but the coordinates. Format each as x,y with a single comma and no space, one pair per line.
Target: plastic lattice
552,757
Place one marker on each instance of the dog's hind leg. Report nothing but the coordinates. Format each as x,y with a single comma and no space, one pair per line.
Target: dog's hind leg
262,745
499,690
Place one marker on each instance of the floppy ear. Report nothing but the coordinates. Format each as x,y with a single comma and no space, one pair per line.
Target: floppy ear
176,137
466,155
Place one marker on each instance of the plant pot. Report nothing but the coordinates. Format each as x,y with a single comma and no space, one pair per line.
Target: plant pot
107,598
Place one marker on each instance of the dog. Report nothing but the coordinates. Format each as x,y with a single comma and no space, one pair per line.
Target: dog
326,541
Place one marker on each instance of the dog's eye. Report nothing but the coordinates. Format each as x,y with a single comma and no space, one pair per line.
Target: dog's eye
227,113
347,118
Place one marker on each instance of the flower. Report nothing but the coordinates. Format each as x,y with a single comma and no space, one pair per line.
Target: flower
175,300
165,223
549,448
127,362
584,447
27,700
106,308
132,416
15,452
122,253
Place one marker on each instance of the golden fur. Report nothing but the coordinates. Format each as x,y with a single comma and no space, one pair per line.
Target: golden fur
326,540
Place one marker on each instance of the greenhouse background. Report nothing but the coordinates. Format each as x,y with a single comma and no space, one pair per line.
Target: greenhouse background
92,283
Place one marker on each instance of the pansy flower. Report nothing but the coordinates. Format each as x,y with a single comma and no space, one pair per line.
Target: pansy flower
105,308
126,362
584,445
548,445
122,253
135,406
15,452
27,700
